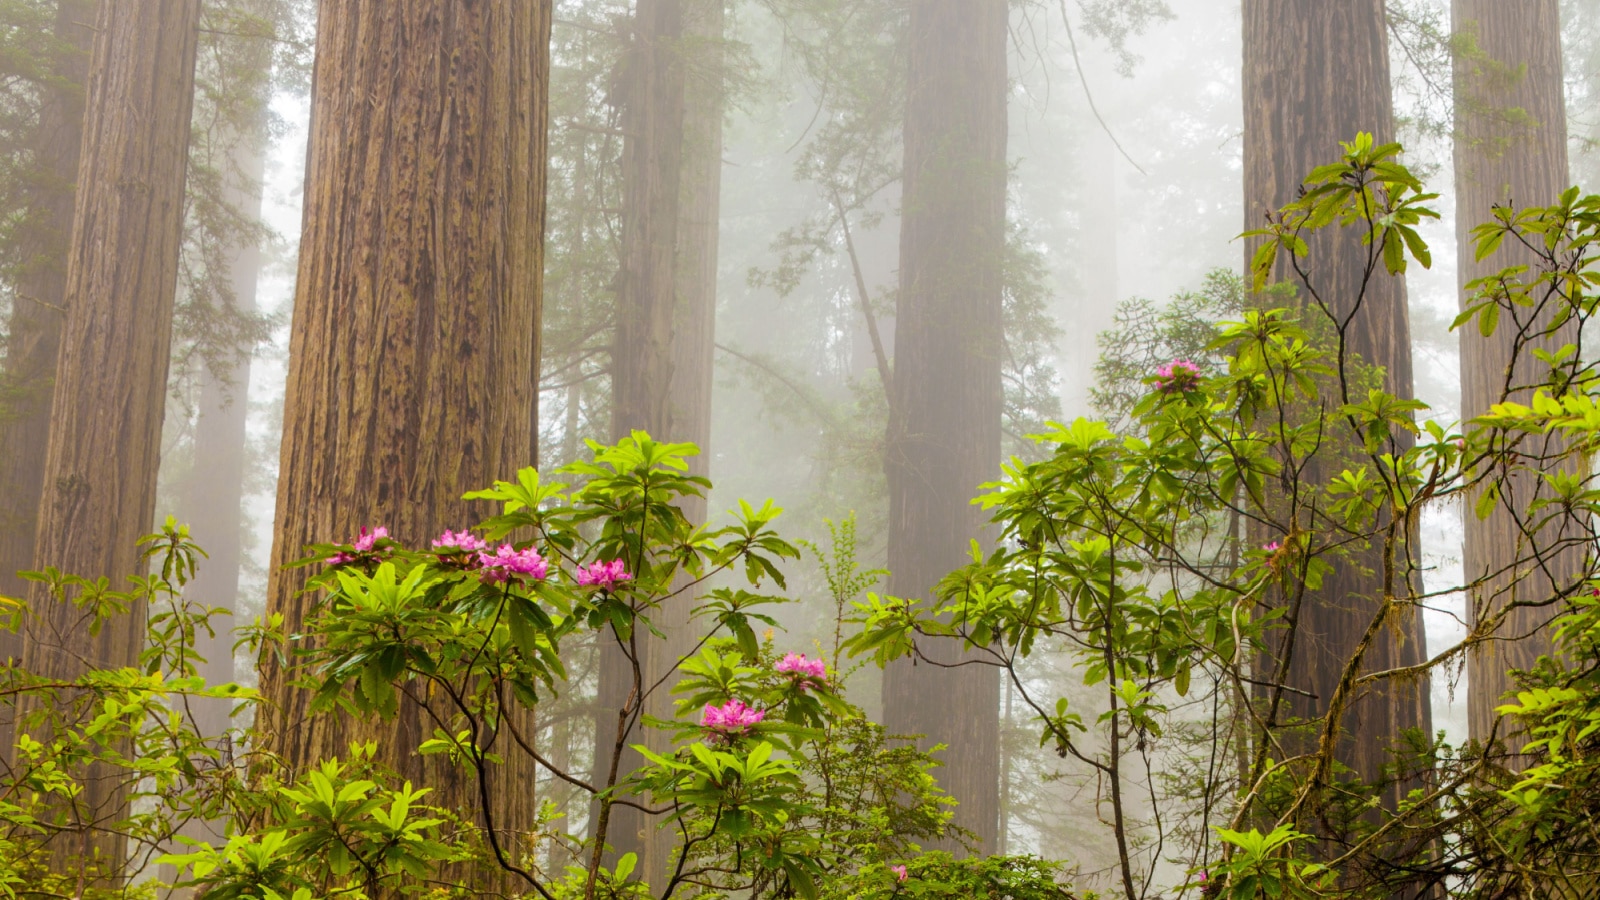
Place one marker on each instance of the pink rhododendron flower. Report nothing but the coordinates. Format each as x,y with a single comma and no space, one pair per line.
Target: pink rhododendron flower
1273,547
1177,376
459,542
508,562
369,539
604,575
731,719
365,542
810,671
899,873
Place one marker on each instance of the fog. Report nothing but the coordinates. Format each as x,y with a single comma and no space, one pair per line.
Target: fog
1124,161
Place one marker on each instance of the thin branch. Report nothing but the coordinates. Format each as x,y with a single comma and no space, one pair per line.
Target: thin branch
1084,80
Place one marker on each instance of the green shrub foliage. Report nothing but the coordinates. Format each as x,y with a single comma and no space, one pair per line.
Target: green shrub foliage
1161,554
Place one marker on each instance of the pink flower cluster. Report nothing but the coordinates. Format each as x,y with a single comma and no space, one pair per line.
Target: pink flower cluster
1178,376
462,541
604,575
508,562
899,872
1273,547
731,719
808,672
365,542
369,539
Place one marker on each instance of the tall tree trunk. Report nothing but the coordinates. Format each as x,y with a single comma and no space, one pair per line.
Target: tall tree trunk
699,228
122,269
1315,74
1510,147
34,333
653,109
946,408
414,352
213,491
694,325
36,315
652,162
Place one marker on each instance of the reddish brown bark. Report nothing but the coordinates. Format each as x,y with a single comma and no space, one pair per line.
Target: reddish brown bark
946,407
1315,74
122,268
414,350
34,331
1510,148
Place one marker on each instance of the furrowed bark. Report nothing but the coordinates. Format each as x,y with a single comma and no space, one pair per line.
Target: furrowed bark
34,331
1316,74
1510,148
104,437
414,351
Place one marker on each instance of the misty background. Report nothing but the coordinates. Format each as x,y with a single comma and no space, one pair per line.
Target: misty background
1125,150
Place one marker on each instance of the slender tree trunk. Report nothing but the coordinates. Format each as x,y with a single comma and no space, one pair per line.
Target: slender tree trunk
944,427
1510,148
213,492
34,332
122,269
1315,74
645,352
699,225
693,329
414,352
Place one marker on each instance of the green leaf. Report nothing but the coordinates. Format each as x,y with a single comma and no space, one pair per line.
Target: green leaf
625,866
1486,502
1488,319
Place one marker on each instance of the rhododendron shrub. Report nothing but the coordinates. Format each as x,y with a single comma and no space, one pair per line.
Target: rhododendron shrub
472,623
1182,556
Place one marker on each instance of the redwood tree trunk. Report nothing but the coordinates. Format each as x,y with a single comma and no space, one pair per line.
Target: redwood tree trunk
652,162
212,494
946,406
1315,74
1511,147
699,225
414,352
35,326
122,269
34,332
653,110
694,328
